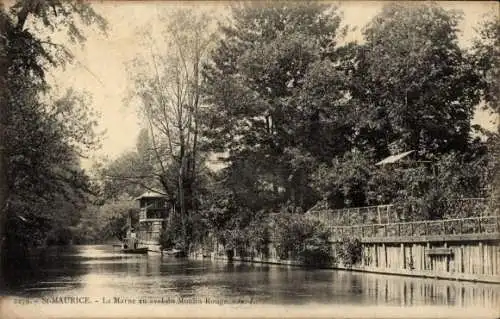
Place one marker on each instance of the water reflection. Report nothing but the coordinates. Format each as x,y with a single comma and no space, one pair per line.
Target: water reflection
99,271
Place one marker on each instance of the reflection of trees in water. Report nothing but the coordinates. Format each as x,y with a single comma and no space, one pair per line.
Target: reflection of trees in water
43,268
359,288
281,284
65,268
415,291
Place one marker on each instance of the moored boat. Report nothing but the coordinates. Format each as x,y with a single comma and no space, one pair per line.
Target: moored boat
142,250
173,253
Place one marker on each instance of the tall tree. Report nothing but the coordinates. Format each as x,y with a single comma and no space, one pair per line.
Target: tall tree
486,50
275,85
166,84
416,86
24,59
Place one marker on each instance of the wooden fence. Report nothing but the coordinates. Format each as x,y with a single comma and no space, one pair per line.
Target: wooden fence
394,213
456,226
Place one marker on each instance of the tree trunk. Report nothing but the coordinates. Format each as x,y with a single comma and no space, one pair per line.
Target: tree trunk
195,108
182,203
4,94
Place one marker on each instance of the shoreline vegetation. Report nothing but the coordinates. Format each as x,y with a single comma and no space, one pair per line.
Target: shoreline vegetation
296,118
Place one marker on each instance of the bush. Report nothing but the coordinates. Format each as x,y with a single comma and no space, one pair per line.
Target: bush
303,239
349,251
317,250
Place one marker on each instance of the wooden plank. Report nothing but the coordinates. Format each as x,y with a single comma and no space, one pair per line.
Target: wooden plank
453,260
480,260
460,264
427,266
403,256
497,251
421,257
492,260
441,251
472,258
495,259
446,259
486,260
467,269
384,251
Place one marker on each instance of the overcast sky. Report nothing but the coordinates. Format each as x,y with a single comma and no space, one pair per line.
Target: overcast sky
100,68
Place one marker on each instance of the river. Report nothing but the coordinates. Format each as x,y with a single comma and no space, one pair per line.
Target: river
105,276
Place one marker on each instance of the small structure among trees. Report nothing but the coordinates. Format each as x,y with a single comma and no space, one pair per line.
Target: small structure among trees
155,211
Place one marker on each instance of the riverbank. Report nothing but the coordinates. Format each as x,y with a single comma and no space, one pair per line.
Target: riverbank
157,286
374,270
472,254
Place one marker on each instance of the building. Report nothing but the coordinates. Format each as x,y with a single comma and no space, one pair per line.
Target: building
154,211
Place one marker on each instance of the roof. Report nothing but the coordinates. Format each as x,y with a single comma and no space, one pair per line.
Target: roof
394,158
151,194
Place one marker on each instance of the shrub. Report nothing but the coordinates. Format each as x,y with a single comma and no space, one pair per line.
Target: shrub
349,251
303,239
317,249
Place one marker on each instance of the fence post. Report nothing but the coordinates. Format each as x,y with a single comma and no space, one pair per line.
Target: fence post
479,225
461,222
443,228
399,229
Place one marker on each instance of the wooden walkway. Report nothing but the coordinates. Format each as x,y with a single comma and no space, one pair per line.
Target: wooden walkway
470,228
475,219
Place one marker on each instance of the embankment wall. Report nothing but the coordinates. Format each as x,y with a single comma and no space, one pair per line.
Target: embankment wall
476,259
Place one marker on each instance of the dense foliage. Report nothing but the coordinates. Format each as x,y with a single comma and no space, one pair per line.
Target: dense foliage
42,187
299,238
349,251
297,114
301,115
275,86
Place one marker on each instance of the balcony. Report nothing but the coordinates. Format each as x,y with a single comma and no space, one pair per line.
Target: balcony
153,214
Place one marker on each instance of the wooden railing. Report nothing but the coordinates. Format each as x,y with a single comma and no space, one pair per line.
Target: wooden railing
456,226
395,213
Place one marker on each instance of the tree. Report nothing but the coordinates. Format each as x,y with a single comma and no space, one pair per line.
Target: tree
47,187
24,59
344,182
415,85
166,85
274,86
131,173
486,50
114,216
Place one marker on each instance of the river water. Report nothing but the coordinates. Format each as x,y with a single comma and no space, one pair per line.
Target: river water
105,276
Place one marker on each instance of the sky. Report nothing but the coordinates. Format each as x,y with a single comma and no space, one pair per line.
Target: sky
100,70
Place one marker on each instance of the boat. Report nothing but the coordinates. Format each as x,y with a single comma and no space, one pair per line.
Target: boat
142,250
173,253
